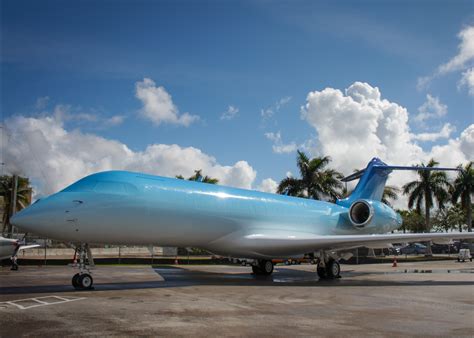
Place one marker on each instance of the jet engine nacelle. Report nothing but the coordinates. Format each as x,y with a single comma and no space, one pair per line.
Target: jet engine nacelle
361,213
365,213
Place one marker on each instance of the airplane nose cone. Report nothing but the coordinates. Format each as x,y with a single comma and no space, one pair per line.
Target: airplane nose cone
21,220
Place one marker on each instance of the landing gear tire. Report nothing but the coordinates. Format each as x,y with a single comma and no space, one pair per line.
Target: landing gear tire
85,281
321,270
333,269
75,282
264,267
14,267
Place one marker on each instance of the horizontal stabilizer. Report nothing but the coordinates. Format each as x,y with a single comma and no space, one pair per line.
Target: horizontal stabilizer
358,174
373,178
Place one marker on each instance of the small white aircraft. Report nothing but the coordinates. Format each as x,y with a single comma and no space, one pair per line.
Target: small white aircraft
9,248
127,208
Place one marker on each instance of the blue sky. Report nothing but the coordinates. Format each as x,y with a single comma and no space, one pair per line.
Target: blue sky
81,63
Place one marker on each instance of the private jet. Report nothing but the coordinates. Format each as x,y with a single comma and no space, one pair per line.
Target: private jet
131,208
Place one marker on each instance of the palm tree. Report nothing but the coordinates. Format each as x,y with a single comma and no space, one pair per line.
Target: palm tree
463,187
198,177
316,180
390,193
23,199
430,185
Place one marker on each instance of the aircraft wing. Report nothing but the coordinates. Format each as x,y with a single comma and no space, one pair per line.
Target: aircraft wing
286,243
24,247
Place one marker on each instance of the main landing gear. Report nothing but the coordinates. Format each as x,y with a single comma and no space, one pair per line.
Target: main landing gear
83,280
14,263
328,267
262,267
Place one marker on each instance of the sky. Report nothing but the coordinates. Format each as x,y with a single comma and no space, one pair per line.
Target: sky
233,87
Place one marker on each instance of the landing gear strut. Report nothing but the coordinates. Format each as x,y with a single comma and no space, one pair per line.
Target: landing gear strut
328,267
14,263
263,267
83,280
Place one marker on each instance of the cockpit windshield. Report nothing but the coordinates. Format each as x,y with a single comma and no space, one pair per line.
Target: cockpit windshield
88,184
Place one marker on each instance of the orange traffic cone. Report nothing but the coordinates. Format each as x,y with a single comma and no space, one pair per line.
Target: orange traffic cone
394,265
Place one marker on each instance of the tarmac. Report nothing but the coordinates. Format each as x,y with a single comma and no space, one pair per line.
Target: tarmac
413,299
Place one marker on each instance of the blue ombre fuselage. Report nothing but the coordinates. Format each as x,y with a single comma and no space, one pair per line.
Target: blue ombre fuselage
120,207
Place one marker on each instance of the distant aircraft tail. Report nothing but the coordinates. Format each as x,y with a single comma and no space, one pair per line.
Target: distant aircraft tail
373,179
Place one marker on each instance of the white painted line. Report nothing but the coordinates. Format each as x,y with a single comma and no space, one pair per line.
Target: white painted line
61,298
14,304
39,302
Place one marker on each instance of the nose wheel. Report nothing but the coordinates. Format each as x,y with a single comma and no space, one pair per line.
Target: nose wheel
83,280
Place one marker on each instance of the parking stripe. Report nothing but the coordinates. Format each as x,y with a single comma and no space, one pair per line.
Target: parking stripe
40,302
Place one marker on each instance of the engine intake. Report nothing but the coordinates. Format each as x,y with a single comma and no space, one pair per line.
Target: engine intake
361,213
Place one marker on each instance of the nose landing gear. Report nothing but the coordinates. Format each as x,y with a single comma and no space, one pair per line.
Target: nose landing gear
83,280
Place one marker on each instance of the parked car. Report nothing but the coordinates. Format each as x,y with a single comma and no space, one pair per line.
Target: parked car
414,249
464,254
467,245
443,248
396,247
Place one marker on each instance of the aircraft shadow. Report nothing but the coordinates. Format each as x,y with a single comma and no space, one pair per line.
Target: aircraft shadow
181,277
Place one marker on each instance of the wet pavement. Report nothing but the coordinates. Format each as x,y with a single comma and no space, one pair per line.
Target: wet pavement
423,298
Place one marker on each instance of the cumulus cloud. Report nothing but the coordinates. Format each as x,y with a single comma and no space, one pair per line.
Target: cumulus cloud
158,105
445,132
268,185
467,80
53,157
458,150
358,124
230,113
462,60
431,108
278,146
465,54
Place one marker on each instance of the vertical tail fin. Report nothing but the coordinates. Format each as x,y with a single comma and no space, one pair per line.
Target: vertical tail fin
373,179
371,184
